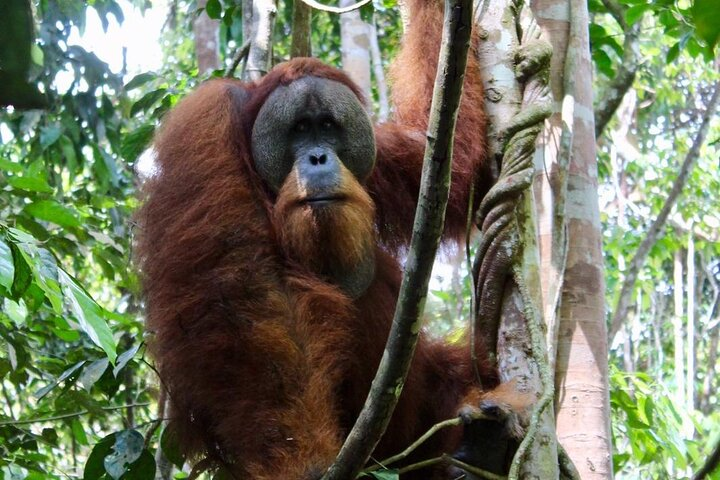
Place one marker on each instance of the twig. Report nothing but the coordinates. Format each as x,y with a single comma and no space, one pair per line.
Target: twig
327,8
69,415
429,219
240,54
479,472
451,422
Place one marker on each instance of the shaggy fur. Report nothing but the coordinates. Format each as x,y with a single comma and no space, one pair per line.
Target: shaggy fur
267,365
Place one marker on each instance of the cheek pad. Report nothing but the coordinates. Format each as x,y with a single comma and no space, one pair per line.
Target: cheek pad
270,138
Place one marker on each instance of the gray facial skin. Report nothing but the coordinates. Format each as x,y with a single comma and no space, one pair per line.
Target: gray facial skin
316,122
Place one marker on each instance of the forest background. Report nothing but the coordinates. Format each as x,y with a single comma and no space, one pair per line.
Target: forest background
79,396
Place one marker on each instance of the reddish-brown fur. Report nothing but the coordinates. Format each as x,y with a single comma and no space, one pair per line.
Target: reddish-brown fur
267,365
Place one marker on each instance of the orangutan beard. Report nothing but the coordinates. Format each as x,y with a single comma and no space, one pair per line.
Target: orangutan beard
335,239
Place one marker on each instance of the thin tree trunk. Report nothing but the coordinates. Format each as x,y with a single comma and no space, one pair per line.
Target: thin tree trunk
355,47
206,32
678,328
690,379
301,32
260,54
379,73
583,410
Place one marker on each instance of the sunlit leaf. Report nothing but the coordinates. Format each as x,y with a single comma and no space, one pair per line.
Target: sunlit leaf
127,449
88,314
92,373
52,211
7,265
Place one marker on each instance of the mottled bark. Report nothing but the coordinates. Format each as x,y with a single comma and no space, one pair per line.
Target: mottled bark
260,55
355,47
301,45
206,32
570,217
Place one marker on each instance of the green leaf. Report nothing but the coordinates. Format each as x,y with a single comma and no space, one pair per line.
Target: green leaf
65,375
30,184
7,266
635,13
52,211
78,432
49,135
95,465
124,358
135,143
89,315
92,373
37,55
171,448
706,14
140,79
147,101
142,469
673,53
128,447
16,311
213,9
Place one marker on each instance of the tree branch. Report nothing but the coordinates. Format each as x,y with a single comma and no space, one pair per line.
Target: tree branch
626,70
68,415
623,303
327,8
429,219
710,465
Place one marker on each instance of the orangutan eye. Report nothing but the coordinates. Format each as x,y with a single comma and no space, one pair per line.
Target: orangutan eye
327,124
301,126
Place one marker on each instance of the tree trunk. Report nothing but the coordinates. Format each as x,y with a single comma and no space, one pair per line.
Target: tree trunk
583,410
690,378
206,32
678,328
355,47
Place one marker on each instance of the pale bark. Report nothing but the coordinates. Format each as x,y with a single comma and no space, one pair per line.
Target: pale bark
206,32
690,379
260,54
355,48
583,413
678,336
623,304
379,73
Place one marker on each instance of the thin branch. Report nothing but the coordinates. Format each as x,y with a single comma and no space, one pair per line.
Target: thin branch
623,303
429,219
626,70
710,464
68,415
451,422
327,8
241,54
